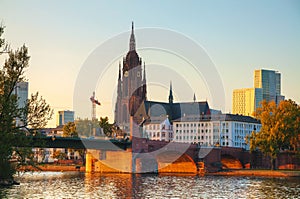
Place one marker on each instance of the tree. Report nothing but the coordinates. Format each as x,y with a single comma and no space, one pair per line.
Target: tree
86,127
32,116
106,126
69,130
280,129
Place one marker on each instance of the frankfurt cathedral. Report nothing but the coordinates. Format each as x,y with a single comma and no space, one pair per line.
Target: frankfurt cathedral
132,94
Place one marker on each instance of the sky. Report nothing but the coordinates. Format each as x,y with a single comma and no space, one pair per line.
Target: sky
237,36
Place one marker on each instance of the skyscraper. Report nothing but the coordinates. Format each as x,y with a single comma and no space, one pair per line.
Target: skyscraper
21,90
246,100
270,82
65,117
267,86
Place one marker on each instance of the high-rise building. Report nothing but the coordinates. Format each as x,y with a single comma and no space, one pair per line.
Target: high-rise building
65,117
21,90
246,100
270,82
267,86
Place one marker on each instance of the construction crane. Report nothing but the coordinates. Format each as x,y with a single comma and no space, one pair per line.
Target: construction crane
94,103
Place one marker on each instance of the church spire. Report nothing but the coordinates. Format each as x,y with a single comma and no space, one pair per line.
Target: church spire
171,94
144,76
119,71
132,39
144,84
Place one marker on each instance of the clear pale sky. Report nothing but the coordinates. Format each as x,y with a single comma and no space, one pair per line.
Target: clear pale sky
238,36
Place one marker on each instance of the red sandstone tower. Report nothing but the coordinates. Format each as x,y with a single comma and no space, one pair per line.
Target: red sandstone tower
131,91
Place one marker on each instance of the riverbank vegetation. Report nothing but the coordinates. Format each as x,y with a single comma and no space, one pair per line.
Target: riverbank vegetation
19,121
280,129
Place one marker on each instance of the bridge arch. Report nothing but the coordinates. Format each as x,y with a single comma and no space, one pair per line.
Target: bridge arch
230,162
183,164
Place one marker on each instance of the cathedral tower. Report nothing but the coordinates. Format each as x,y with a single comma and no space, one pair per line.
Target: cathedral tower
131,90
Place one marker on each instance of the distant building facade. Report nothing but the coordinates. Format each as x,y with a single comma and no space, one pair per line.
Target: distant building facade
65,117
245,101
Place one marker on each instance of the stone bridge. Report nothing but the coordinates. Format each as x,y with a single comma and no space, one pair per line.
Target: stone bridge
148,156
235,158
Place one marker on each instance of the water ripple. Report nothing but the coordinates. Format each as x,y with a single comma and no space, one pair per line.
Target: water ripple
81,185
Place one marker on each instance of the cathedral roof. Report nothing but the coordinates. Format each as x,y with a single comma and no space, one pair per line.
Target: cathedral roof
176,110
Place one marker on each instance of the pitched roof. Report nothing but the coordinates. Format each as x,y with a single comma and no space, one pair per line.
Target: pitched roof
156,120
217,117
176,110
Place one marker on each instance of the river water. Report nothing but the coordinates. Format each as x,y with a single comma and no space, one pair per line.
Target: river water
82,185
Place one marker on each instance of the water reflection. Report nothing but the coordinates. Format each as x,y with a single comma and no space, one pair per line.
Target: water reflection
109,185
82,185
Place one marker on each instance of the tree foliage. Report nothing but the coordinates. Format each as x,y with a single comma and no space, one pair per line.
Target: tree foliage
69,130
106,126
86,127
280,129
34,114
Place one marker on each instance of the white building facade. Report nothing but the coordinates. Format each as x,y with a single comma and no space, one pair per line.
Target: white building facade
158,128
216,130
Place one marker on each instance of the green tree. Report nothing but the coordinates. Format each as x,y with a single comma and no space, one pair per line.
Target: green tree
69,130
86,127
32,116
106,126
280,129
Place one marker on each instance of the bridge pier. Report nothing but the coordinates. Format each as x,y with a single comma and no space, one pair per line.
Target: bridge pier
88,162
